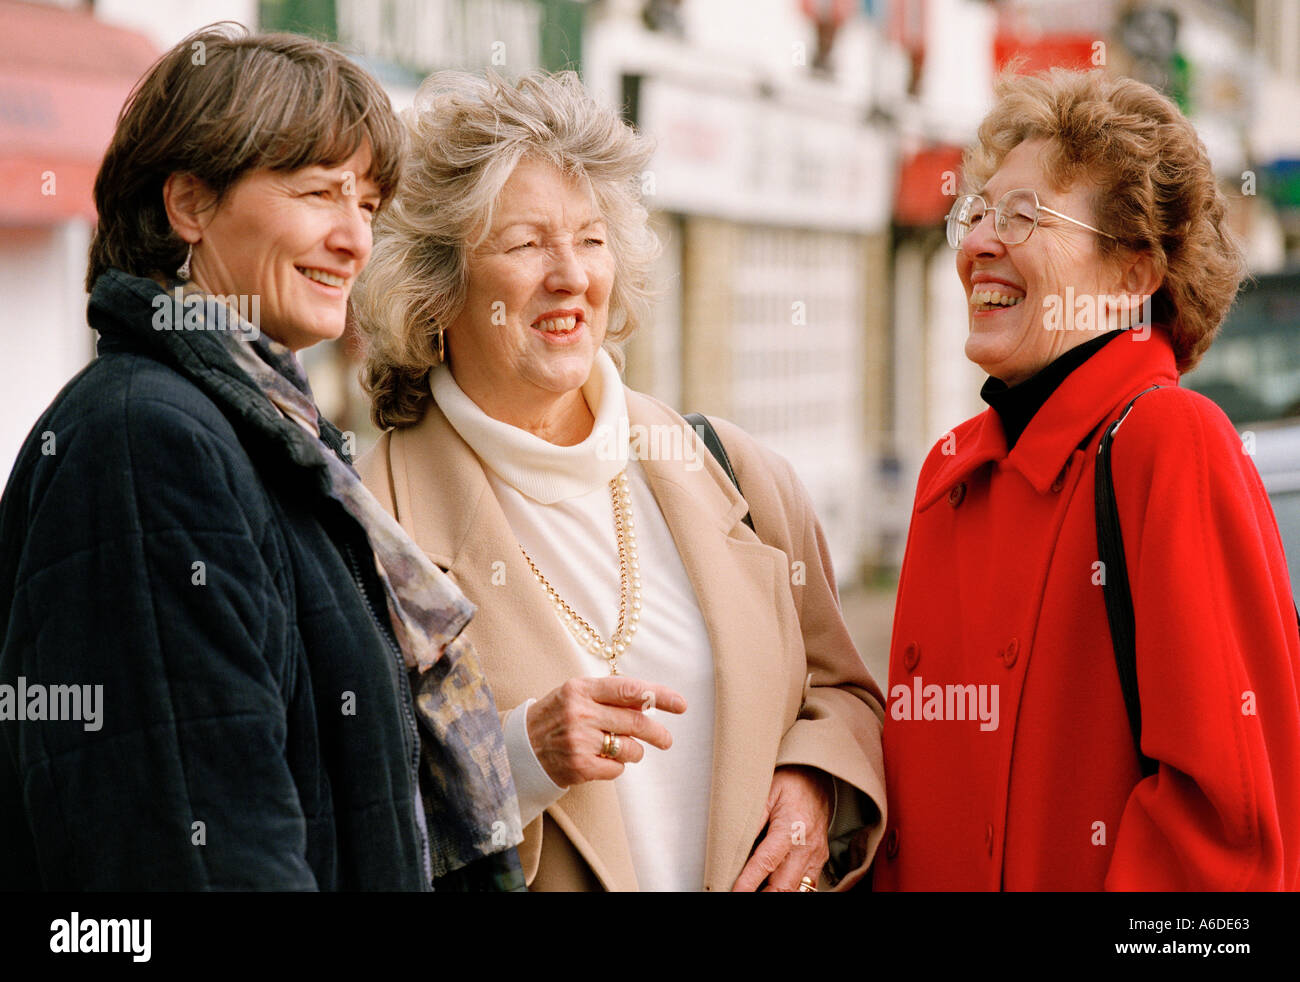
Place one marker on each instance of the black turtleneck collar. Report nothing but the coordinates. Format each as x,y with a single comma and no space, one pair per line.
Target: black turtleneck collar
1016,405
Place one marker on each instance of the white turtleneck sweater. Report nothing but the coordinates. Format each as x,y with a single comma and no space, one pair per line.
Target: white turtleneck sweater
557,502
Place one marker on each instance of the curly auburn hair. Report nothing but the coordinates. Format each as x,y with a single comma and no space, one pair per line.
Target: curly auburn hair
468,134
1154,188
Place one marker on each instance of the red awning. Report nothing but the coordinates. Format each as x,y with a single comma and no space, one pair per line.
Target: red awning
63,79
927,183
1038,54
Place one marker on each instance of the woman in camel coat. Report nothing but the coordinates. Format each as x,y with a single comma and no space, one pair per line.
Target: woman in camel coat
514,261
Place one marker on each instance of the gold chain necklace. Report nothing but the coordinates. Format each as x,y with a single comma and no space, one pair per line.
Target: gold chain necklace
629,585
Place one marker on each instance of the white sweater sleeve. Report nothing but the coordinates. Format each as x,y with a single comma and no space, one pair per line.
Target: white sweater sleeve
533,785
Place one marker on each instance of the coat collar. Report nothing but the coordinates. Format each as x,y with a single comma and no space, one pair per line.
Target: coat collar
445,503
124,310
1073,413
450,507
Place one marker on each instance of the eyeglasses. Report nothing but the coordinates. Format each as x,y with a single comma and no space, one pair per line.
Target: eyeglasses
1015,217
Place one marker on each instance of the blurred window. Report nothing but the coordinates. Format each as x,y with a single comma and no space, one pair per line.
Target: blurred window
798,365
1287,509
1253,368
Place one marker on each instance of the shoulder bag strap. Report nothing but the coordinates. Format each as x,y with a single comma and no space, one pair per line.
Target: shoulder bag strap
1115,586
705,431
1116,589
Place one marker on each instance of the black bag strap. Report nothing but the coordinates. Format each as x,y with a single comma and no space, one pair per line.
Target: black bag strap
705,431
1115,586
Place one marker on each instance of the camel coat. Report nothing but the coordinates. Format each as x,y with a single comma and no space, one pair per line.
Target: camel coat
790,686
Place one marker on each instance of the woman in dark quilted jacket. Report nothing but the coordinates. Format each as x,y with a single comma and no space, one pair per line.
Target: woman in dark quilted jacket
223,665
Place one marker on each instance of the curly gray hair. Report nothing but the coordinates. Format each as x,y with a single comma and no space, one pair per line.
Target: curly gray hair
469,133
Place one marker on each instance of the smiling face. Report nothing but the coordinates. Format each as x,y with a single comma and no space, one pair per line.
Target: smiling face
537,303
296,240
1013,342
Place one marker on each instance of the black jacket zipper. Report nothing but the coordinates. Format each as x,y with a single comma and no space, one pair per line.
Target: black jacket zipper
408,714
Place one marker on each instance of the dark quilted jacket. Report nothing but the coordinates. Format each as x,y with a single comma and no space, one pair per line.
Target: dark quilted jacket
256,729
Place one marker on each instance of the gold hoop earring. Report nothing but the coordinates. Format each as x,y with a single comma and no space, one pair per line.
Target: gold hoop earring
442,354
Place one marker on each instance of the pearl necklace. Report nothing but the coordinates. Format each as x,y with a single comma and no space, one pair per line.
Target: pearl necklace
629,585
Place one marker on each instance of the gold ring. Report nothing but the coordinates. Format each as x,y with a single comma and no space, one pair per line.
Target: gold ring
807,885
610,748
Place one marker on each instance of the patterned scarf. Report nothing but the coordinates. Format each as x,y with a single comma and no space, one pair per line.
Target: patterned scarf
469,796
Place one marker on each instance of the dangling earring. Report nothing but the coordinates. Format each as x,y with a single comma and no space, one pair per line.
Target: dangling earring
183,270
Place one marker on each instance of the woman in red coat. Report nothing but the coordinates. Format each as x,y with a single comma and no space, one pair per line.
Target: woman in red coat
1010,763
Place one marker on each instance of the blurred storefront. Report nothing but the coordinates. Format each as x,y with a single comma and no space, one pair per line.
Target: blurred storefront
946,90
771,184
807,151
1274,136
63,77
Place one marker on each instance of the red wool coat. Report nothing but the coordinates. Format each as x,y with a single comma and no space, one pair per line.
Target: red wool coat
999,591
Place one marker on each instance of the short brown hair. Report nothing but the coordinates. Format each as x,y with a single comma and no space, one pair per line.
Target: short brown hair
468,134
1154,187
220,104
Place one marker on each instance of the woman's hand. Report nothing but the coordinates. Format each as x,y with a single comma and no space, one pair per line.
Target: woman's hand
567,726
798,816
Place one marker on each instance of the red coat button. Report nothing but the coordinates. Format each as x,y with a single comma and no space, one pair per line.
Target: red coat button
988,837
891,844
1010,653
957,494
911,656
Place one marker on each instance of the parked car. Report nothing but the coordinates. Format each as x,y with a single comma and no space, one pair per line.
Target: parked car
1277,454
1253,373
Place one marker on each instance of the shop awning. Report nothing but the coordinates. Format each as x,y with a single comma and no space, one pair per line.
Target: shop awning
1037,54
927,184
63,79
